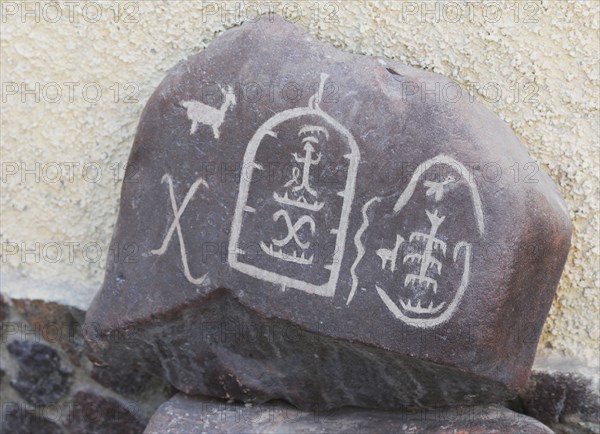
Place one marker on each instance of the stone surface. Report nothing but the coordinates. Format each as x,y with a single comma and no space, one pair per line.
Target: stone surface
549,102
56,323
94,413
42,378
139,395
19,420
3,308
346,242
128,381
568,402
183,414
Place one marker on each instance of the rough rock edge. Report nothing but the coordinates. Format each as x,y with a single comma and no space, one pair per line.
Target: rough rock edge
164,351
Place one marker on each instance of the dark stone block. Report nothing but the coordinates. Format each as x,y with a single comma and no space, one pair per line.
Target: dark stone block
20,420
566,401
126,381
3,308
186,415
55,323
233,348
42,378
96,414
350,243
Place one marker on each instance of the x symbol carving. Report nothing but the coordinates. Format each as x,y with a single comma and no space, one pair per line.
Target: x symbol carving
294,228
175,225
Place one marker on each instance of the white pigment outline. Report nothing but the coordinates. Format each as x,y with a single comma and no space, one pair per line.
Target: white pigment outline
443,159
327,289
359,246
449,311
400,203
176,225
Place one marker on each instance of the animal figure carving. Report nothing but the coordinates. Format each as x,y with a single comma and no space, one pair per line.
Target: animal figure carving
200,113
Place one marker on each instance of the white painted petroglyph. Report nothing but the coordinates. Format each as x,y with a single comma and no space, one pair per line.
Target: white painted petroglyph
436,189
304,197
461,169
200,113
293,228
448,312
176,226
389,256
426,258
314,130
307,161
290,257
360,249
304,185
432,314
417,308
300,203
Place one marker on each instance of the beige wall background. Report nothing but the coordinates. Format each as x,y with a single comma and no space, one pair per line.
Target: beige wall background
64,144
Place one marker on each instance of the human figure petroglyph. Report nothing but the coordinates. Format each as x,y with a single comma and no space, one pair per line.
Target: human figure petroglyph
302,186
307,160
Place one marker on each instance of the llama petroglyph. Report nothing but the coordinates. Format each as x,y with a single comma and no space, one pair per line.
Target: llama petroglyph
200,113
389,256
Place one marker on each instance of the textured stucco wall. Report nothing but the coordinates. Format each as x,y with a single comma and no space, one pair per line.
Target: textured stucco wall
541,56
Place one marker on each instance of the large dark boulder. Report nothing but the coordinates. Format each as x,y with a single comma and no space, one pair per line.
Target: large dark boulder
317,226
